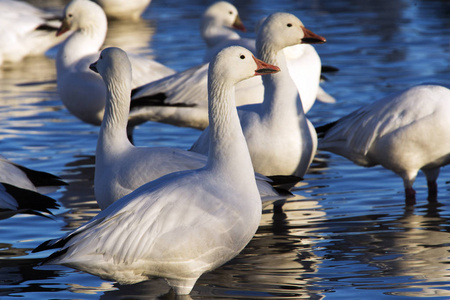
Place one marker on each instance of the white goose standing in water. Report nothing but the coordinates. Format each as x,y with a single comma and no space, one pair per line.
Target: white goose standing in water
280,138
404,133
120,167
186,223
82,91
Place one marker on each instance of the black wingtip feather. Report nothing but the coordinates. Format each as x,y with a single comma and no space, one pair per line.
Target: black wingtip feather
52,256
322,130
30,200
154,100
39,178
329,69
46,27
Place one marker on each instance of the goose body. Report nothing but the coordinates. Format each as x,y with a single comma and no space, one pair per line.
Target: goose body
124,9
82,91
185,223
25,31
120,167
405,132
280,138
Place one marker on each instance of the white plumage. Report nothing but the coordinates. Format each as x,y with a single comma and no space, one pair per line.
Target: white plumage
124,9
82,91
120,167
25,31
280,138
303,61
182,96
405,133
186,223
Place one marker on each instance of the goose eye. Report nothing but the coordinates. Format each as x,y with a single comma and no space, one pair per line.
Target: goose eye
242,56
70,15
289,25
230,12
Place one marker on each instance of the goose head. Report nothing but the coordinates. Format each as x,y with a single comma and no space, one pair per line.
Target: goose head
280,30
114,66
235,63
83,15
218,22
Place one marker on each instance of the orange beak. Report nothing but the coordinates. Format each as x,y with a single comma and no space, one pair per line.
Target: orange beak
65,26
312,38
264,68
238,24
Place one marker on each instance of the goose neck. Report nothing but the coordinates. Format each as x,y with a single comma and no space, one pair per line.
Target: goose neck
117,104
228,150
281,97
85,41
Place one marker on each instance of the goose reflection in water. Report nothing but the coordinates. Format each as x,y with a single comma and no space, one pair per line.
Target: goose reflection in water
405,256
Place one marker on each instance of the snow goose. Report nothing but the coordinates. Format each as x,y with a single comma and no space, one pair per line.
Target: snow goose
303,61
280,138
185,223
83,91
181,99
25,31
124,9
120,167
25,178
15,200
218,23
405,133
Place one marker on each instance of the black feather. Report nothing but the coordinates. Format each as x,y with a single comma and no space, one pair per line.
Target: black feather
329,69
39,178
154,100
322,130
30,201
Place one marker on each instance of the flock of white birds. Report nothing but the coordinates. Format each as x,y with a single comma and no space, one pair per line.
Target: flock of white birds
175,213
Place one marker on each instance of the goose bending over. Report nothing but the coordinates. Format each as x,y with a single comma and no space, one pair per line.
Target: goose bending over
185,223
120,167
280,138
82,91
26,31
404,133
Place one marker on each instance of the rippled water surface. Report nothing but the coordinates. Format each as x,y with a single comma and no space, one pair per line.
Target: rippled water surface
346,234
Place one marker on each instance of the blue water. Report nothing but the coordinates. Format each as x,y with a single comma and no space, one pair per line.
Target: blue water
346,234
